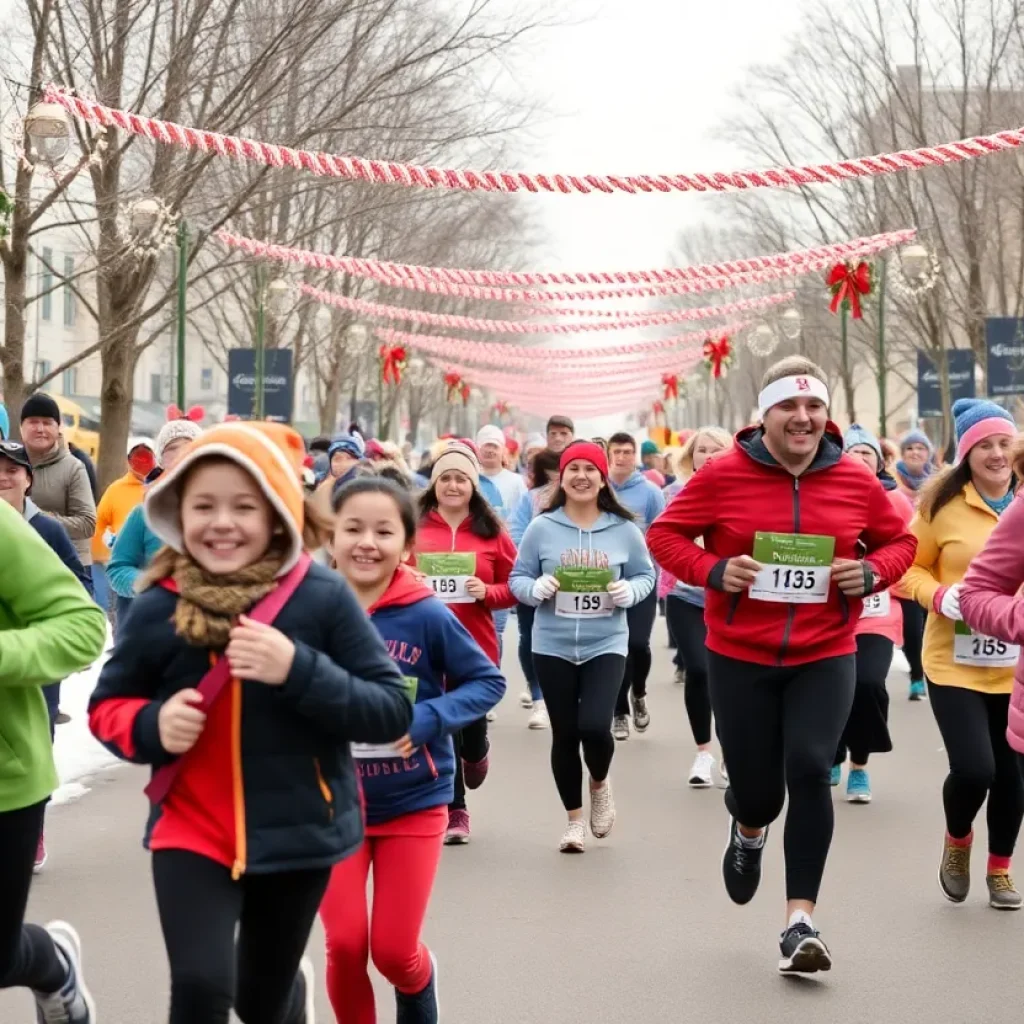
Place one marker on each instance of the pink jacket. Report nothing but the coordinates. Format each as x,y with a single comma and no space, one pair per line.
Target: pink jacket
889,625
991,603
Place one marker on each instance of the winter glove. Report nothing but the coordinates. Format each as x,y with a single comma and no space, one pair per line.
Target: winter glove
621,593
545,588
950,605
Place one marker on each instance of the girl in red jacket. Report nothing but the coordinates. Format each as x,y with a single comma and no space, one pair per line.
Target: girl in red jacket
466,556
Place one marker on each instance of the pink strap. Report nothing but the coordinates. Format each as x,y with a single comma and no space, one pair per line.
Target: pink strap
210,686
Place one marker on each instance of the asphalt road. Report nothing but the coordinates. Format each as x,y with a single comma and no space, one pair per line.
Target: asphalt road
639,929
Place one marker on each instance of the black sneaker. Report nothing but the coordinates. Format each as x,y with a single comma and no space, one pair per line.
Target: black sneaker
741,866
421,1008
803,951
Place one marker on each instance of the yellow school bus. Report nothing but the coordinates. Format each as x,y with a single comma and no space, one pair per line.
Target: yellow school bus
78,428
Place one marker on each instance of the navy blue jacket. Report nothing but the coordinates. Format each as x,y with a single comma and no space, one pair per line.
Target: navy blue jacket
57,537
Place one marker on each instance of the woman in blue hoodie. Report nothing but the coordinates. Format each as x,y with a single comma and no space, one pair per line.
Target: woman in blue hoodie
406,786
581,564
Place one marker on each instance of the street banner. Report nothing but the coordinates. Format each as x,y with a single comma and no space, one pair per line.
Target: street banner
277,383
929,383
1004,340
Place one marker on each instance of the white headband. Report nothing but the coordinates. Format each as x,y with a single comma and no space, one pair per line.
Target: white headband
791,387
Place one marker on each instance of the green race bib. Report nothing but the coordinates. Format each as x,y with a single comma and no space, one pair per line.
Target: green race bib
796,567
582,592
447,573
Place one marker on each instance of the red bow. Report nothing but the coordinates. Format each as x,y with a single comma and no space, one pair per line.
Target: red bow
392,363
848,284
500,408
658,409
464,392
671,384
717,356
452,381
195,414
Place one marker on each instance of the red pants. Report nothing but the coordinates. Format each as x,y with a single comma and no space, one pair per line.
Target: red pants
405,854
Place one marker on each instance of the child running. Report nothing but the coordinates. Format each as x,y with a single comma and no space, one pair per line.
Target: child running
407,786
246,724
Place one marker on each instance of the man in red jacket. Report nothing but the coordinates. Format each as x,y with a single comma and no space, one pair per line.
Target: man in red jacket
794,536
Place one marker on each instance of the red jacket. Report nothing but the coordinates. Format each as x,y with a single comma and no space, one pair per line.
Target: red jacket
494,561
745,490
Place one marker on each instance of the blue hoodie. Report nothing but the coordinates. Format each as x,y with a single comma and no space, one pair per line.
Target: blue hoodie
554,540
641,497
523,514
455,684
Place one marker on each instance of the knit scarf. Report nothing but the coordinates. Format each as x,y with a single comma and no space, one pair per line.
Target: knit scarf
913,478
208,606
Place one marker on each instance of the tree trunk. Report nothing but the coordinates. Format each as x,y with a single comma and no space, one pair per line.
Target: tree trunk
118,364
13,355
329,411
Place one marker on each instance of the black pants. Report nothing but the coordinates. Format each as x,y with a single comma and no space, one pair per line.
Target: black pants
581,701
914,619
867,728
687,623
470,745
640,619
779,729
200,906
28,957
981,764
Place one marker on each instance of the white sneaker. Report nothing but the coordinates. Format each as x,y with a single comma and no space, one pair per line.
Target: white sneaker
620,727
574,838
539,719
526,700
309,983
602,810
680,677
700,773
73,1004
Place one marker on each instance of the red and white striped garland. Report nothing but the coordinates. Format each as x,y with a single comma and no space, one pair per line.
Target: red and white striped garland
388,172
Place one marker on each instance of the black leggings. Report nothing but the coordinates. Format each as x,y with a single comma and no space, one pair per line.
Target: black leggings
640,619
687,622
28,957
200,907
779,729
580,700
914,618
981,763
470,745
867,728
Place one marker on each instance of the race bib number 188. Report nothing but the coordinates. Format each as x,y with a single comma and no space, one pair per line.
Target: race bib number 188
797,567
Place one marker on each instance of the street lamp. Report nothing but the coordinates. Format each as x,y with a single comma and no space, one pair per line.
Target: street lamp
915,261
47,128
279,294
762,341
792,323
275,298
144,217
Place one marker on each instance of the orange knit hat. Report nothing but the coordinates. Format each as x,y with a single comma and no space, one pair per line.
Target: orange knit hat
271,453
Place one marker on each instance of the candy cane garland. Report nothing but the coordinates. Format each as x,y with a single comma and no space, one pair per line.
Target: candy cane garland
468,323
387,172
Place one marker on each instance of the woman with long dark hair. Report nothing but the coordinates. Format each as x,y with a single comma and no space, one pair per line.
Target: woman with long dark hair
581,563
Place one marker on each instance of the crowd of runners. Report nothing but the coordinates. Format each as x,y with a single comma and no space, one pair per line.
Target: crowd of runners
307,650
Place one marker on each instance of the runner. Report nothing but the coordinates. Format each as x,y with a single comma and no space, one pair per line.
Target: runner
581,563
646,502
782,516
684,610
969,674
879,627
467,556
245,833
406,786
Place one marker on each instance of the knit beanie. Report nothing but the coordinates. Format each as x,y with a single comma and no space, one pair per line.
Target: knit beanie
456,455
916,437
976,419
351,444
648,448
586,450
40,406
490,434
271,453
174,430
861,435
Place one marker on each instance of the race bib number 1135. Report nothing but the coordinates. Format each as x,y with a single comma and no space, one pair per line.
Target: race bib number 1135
796,567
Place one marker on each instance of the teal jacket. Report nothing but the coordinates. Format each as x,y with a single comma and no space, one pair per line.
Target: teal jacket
133,550
49,628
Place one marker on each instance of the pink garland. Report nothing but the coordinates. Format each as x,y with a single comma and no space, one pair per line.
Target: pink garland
408,175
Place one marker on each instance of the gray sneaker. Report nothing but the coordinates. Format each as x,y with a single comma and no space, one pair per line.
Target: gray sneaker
641,716
1002,893
620,727
73,1003
955,872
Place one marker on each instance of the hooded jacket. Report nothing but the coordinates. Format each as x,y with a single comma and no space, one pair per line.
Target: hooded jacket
494,560
553,540
643,498
60,487
134,548
452,683
117,503
744,490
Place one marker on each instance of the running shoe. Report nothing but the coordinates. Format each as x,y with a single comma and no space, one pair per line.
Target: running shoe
741,865
458,828
918,691
802,951
858,787
620,727
1002,893
837,774
40,861
539,719
492,715
474,772
574,838
641,716
526,700
73,1004
602,810
700,772
61,718
423,1007
723,771
308,990
955,871
680,677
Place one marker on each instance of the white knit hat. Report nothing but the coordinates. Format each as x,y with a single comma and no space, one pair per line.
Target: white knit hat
175,430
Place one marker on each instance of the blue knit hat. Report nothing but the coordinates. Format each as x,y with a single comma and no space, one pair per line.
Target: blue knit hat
976,419
916,437
861,435
350,443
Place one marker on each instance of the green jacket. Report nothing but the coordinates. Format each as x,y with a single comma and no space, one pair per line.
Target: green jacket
49,628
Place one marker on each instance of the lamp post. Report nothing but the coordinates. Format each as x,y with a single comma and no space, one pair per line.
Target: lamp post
272,297
791,323
46,125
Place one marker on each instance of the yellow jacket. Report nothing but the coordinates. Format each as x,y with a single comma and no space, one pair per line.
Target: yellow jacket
118,500
945,547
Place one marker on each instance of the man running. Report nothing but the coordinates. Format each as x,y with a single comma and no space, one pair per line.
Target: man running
784,516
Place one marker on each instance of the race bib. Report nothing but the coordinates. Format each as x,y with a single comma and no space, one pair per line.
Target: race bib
376,751
982,651
582,593
876,606
447,573
797,567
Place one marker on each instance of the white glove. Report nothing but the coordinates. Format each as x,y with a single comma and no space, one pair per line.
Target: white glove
950,606
109,537
621,593
545,588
